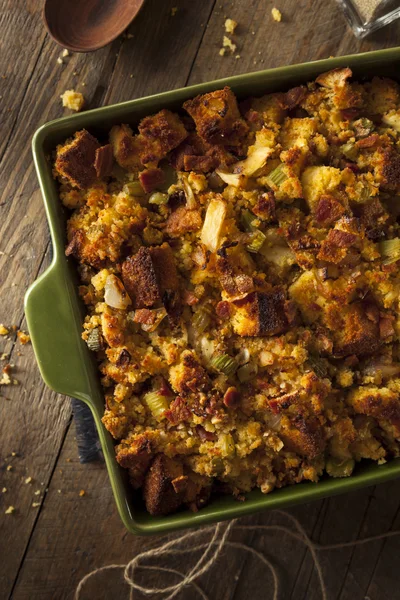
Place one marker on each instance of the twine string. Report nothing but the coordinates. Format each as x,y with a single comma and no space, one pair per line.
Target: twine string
212,549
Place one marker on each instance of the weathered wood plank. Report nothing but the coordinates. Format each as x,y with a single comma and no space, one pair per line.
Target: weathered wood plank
382,509
19,21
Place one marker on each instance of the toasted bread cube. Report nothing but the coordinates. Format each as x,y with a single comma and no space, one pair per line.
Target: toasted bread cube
159,134
182,220
260,314
356,333
380,403
302,435
317,181
334,79
150,277
136,459
140,279
75,160
188,376
217,117
158,491
126,148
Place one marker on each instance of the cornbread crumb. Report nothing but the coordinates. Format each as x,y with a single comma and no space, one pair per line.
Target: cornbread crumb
4,356
60,60
59,491
222,52
3,330
237,56
13,454
9,467
230,26
227,43
35,504
73,100
9,510
82,493
4,490
37,492
65,52
23,337
174,10
276,14
28,480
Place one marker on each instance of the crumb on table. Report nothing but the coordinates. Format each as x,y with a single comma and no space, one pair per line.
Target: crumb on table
174,10
9,510
227,43
4,330
230,26
82,493
276,14
73,100
23,337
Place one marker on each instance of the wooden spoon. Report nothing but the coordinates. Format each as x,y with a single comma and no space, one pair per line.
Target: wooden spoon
86,25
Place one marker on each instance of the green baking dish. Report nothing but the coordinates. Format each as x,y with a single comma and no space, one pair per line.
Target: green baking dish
54,312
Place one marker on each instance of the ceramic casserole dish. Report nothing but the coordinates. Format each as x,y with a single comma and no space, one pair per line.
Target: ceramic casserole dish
55,314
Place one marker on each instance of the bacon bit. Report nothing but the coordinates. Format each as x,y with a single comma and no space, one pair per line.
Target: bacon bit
163,387
189,298
368,142
223,309
151,179
124,358
104,160
386,327
328,209
178,411
253,117
7,369
205,436
292,98
144,316
204,164
231,397
349,114
341,239
352,167
265,207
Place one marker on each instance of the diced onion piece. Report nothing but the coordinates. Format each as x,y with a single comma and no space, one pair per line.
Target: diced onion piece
257,242
190,198
255,160
157,403
207,348
227,444
213,223
339,468
224,363
94,340
274,421
115,295
350,150
247,372
390,250
134,188
158,198
230,178
277,176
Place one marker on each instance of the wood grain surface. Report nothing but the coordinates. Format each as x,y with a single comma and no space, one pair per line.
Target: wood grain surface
46,549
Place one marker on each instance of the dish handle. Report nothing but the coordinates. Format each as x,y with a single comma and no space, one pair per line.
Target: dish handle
53,315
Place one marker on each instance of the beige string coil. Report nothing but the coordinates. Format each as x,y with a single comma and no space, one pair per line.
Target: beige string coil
212,550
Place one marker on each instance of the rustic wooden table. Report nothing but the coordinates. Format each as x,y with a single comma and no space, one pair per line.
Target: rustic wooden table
47,548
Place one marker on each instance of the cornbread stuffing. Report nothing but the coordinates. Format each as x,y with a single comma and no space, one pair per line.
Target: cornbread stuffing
73,100
4,330
239,265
